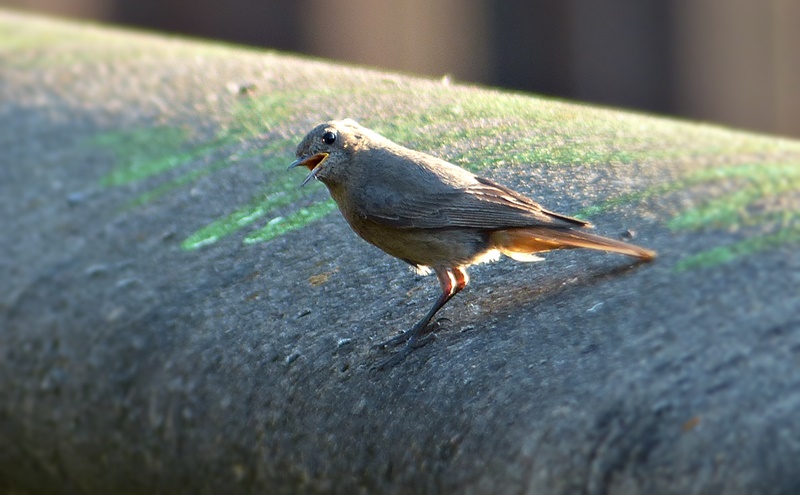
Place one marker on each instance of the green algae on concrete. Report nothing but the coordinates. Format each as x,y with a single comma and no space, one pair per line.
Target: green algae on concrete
279,226
145,152
281,192
756,182
148,152
724,254
515,129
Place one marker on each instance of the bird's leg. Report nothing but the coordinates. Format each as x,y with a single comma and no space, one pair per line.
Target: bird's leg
451,280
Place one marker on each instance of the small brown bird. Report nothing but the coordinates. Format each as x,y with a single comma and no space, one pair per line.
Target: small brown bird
433,214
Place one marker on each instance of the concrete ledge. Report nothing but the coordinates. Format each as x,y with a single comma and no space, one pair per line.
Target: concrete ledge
176,316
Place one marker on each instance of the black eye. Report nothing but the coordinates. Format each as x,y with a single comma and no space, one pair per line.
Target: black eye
329,137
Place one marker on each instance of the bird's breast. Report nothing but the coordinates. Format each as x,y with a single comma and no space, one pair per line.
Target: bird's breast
424,247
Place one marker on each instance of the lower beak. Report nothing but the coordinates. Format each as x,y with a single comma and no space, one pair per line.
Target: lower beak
313,163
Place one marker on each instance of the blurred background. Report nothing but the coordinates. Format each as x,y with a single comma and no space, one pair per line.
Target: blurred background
735,62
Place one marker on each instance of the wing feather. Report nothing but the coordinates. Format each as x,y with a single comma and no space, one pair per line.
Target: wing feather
481,205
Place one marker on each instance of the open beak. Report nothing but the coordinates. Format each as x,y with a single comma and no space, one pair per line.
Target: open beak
313,163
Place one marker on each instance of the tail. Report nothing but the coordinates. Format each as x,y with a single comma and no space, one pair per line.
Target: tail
521,243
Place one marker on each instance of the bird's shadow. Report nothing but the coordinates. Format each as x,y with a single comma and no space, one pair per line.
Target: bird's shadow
547,288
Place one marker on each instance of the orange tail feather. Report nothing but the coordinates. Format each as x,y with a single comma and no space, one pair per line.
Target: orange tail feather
522,242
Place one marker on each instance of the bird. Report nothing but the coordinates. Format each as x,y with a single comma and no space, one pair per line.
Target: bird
432,214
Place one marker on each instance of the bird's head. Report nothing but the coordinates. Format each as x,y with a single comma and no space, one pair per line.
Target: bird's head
328,148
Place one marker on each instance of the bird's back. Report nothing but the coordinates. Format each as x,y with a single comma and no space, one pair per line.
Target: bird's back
409,189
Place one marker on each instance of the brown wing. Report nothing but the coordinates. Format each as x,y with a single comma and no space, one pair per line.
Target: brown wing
481,205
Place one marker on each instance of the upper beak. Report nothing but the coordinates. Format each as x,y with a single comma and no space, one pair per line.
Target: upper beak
312,162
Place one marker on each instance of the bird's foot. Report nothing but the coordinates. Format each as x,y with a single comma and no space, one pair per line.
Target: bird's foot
405,336
412,343
394,341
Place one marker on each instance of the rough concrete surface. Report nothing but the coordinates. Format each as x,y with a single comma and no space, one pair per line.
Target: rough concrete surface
176,316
